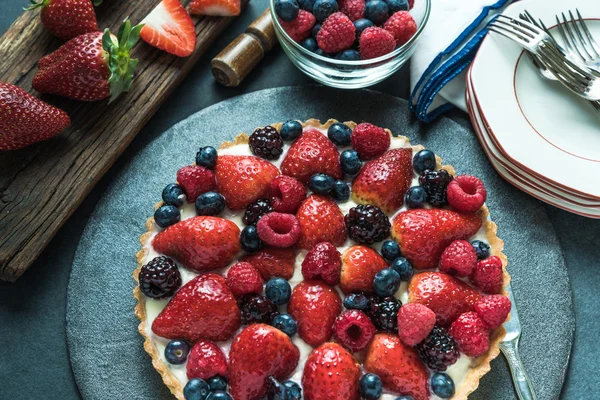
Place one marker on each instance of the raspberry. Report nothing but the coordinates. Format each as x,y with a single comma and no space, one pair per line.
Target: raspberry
278,229
367,224
256,210
435,184
493,310
300,28
243,278
415,321
459,258
375,42
471,334
402,26
466,194
266,143
206,359
323,261
354,330
383,311
336,34
256,308
439,350
370,141
354,9
196,180
487,275
286,194
159,278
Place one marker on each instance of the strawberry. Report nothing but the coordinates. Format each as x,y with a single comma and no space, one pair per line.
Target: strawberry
206,359
258,352
402,26
100,61
300,28
398,366
359,266
384,181
443,294
169,27
311,153
471,334
331,373
273,262
202,309
321,220
243,278
218,8
25,120
67,19
196,180
423,234
370,141
315,306
201,243
336,34
243,179
375,42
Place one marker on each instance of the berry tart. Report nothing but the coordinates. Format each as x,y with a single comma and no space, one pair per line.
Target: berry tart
321,261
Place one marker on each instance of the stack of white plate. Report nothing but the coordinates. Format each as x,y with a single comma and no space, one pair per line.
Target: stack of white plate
539,137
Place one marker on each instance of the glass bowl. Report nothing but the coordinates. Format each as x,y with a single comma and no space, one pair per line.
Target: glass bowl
352,74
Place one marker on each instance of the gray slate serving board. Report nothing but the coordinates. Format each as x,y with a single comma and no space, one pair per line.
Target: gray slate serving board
105,348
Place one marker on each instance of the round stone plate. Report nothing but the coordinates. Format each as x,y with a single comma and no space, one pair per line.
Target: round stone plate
106,350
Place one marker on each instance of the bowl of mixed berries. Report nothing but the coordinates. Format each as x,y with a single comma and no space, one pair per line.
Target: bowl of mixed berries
349,44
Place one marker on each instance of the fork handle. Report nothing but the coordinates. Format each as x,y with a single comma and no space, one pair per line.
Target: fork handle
522,383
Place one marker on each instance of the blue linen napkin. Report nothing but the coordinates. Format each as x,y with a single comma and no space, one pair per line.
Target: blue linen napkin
447,46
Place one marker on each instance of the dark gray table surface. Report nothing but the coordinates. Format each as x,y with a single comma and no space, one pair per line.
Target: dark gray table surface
34,363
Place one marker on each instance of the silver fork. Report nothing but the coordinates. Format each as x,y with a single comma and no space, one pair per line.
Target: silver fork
578,39
510,347
574,76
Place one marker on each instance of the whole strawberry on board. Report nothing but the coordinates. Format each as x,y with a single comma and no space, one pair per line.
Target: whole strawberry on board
101,62
67,19
25,120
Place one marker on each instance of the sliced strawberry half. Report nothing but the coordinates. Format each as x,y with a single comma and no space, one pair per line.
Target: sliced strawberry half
219,8
169,27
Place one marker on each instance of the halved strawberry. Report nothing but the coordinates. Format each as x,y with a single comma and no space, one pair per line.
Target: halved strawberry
315,306
331,373
200,243
446,296
258,352
220,8
273,262
423,234
243,179
169,27
206,359
398,365
321,220
384,181
202,309
359,266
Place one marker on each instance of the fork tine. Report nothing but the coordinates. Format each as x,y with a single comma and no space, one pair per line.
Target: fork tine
567,27
576,28
517,27
585,29
507,33
563,35
529,18
522,24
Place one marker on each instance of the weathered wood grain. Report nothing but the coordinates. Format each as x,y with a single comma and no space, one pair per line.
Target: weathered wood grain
41,186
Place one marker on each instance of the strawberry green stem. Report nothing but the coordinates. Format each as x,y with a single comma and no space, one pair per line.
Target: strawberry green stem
36,4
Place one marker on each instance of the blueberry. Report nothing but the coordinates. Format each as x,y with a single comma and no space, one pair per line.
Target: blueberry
361,24
321,183
210,203
219,395
415,197
293,390
249,239
390,250
356,301
340,134
386,282
348,55
286,323
275,390
377,11
173,194
177,351
403,267
278,290
167,215
309,44
307,5
397,5
207,157
320,52
424,159
324,8
217,382
340,191
370,387
316,29
481,248
350,162
290,130
442,385
196,389
287,10
404,398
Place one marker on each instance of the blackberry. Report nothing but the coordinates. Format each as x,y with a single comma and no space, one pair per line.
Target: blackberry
266,143
367,224
257,309
439,350
435,184
256,210
159,278
383,311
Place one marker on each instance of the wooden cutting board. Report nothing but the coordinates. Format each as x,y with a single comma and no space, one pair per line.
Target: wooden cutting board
41,186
